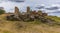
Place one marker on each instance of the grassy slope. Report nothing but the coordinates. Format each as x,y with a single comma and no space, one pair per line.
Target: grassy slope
55,18
27,27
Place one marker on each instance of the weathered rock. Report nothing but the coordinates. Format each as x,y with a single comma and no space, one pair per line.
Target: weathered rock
16,12
28,16
28,9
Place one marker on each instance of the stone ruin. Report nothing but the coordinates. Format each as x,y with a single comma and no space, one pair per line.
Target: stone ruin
16,11
27,16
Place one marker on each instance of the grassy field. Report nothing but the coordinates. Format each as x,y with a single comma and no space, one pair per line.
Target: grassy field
27,27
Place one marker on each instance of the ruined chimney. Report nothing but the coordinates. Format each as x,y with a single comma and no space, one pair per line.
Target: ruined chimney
28,9
16,11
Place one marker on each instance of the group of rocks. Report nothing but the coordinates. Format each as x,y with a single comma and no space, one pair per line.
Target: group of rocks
28,16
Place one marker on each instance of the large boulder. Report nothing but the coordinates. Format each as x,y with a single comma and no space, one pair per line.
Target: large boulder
13,17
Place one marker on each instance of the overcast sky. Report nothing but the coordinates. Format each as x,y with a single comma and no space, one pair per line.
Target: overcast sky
22,4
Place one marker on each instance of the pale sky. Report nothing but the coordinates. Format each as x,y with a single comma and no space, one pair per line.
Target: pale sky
10,4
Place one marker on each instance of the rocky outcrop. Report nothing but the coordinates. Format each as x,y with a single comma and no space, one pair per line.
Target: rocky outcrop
28,16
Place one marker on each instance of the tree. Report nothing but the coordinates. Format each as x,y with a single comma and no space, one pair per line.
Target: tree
2,11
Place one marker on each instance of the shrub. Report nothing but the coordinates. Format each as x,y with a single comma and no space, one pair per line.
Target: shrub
2,11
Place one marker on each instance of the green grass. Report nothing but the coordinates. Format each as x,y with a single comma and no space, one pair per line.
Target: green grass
55,18
5,31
